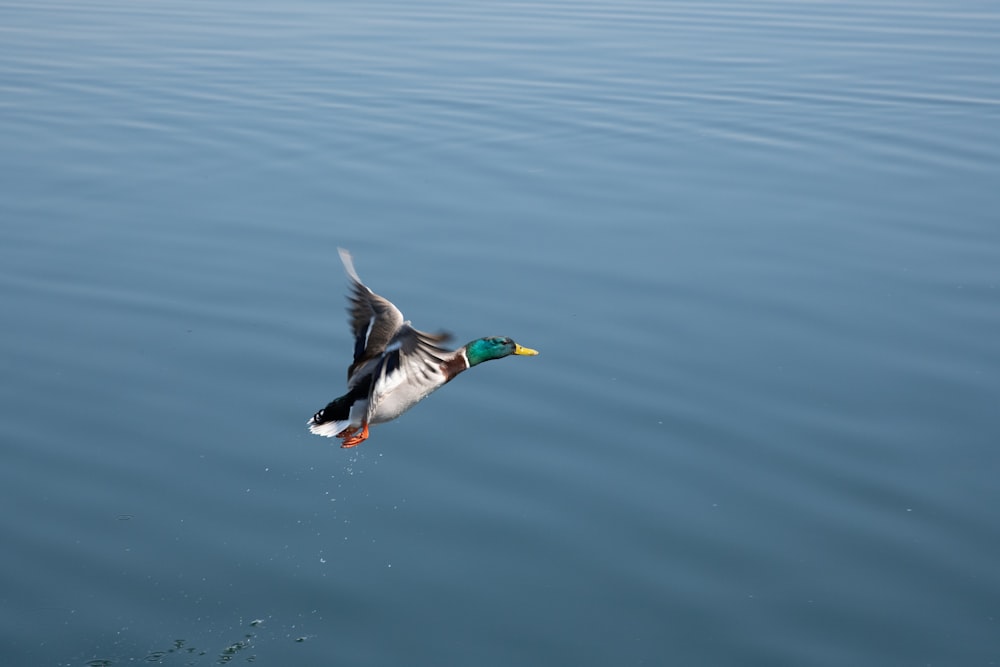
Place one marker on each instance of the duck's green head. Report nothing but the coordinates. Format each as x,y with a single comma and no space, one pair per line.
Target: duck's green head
494,347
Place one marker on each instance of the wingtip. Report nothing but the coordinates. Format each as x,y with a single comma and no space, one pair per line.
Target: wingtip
348,261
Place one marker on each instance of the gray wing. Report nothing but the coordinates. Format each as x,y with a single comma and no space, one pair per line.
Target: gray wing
411,367
377,326
374,319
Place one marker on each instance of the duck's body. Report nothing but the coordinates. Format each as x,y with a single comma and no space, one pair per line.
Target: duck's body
395,366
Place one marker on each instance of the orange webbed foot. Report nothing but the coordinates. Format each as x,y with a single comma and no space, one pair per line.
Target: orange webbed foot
353,438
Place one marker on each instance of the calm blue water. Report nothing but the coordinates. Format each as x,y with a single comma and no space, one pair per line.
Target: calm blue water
757,245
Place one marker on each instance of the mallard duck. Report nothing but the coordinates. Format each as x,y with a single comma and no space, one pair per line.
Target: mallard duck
395,366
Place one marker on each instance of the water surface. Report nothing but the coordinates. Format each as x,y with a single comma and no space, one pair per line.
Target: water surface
755,243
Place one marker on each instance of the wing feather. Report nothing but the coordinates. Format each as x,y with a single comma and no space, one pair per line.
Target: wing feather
411,368
374,320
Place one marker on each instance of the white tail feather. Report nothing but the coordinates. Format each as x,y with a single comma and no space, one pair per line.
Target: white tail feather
329,429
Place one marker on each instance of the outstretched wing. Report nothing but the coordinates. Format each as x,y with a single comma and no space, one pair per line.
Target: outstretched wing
374,319
411,367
